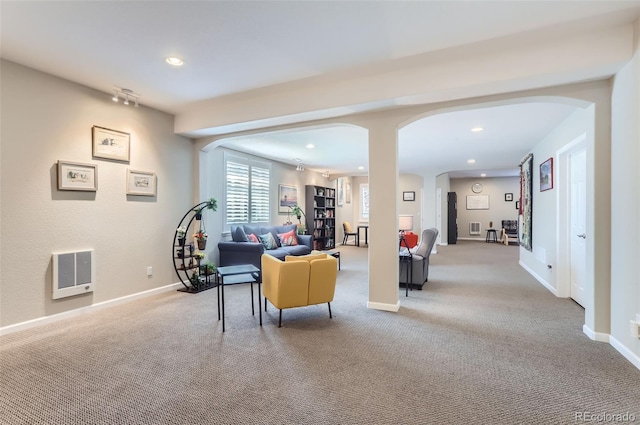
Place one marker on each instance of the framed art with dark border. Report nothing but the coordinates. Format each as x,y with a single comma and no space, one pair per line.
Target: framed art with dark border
508,197
77,176
287,197
546,175
141,183
408,196
111,144
526,198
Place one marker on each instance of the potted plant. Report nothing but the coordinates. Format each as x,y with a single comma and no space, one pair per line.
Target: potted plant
201,237
208,268
180,234
297,211
211,204
195,280
199,255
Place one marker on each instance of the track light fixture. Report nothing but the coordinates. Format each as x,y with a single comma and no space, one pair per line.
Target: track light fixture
300,166
326,174
126,94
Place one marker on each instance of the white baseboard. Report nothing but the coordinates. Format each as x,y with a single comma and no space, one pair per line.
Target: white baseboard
382,306
472,239
83,310
628,354
539,278
595,336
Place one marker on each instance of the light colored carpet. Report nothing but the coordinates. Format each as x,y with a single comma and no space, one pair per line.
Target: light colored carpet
482,343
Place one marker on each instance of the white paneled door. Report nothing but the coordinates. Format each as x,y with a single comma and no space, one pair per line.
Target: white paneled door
578,176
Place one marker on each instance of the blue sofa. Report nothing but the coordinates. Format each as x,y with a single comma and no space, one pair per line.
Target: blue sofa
241,251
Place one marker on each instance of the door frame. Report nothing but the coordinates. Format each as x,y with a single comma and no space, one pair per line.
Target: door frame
563,198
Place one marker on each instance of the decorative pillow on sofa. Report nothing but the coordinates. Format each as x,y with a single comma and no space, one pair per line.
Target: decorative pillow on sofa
253,238
238,235
268,241
288,239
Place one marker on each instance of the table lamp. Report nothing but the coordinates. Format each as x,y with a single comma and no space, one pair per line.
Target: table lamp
405,223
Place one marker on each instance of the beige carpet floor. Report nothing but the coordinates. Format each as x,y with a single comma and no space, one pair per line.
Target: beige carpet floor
483,343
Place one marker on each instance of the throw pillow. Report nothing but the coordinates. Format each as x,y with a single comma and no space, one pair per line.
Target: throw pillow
238,235
268,241
253,238
288,239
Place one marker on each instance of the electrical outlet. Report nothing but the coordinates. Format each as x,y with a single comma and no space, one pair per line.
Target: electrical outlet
149,271
635,329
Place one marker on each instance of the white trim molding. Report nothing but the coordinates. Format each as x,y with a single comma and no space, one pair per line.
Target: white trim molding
628,354
595,336
83,310
540,279
384,307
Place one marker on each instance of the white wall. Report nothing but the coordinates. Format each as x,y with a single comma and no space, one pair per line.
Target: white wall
499,209
46,119
625,203
411,183
545,204
444,184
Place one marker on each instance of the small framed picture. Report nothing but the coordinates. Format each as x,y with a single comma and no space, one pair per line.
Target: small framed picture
508,197
408,196
111,144
517,205
546,175
141,183
77,176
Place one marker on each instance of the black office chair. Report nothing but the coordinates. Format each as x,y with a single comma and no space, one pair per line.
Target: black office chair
348,231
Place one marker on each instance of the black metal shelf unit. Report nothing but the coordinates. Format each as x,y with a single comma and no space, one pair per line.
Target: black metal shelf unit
321,212
187,263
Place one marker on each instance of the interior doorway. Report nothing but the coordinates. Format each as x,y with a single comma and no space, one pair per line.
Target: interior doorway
572,212
578,216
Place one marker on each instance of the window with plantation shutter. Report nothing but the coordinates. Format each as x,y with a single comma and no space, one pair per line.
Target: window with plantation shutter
247,191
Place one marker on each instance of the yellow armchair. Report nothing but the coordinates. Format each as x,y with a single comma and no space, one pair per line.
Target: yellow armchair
298,281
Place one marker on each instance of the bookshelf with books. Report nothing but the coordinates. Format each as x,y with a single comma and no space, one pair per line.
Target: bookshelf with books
321,212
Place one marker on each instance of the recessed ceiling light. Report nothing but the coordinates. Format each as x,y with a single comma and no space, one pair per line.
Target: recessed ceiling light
361,167
471,161
483,175
477,129
174,61
311,146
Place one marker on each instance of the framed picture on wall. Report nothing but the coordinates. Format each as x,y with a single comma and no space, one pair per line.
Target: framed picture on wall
111,144
77,176
141,183
287,197
546,175
508,197
408,196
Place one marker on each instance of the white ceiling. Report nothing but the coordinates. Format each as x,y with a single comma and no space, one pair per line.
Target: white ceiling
237,46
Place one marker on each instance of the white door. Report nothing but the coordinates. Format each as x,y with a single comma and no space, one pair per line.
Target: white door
439,216
578,178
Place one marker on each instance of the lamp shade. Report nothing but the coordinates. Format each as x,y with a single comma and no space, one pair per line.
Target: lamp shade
405,222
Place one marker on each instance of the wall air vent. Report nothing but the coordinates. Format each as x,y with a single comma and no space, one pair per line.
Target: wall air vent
474,228
73,273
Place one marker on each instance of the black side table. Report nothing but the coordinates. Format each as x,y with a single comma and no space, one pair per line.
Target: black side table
248,273
492,236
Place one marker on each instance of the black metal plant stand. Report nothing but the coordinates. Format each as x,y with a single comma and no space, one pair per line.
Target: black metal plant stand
187,264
